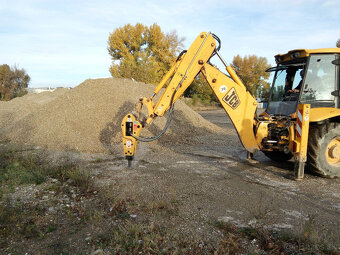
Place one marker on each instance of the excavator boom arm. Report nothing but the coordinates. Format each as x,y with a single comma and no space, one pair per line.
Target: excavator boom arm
231,92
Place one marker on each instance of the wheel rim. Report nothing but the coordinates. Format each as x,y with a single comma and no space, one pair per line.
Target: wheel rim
333,151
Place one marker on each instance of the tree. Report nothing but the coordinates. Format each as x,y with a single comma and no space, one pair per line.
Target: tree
142,53
251,70
13,82
200,90
338,43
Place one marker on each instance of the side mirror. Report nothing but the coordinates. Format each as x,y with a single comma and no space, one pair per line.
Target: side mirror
336,62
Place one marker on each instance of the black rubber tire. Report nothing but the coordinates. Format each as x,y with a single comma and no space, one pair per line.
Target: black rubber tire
278,156
318,139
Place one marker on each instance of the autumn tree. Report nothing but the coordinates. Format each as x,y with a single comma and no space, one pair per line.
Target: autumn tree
142,53
200,91
338,43
252,71
13,82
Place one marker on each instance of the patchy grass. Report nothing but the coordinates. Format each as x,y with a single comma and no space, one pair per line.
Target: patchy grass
68,214
16,170
165,207
80,178
142,238
27,218
263,241
18,219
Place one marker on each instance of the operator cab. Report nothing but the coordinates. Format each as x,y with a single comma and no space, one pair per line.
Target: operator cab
304,76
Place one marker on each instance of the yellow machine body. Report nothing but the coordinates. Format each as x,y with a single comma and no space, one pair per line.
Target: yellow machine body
275,135
239,104
130,127
319,114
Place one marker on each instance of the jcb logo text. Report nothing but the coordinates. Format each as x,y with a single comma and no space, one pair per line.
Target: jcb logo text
232,99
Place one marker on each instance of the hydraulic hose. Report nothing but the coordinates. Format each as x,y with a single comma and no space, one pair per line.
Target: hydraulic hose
167,124
172,105
217,49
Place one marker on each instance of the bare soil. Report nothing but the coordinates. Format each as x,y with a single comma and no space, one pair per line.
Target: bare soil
213,180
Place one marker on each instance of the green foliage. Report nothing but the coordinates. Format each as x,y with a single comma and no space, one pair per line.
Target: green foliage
278,93
16,219
80,178
338,43
13,82
142,53
251,70
200,91
23,219
18,170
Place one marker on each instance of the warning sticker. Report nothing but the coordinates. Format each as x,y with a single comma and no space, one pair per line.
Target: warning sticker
232,99
128,144
223,89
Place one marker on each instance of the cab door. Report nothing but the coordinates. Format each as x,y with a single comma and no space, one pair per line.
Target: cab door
321,80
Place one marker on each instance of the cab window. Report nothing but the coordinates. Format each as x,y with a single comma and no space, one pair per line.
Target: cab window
319,79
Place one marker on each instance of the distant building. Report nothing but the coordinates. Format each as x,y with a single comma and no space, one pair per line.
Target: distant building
39,90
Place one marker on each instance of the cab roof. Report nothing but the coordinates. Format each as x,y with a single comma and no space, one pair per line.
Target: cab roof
302,53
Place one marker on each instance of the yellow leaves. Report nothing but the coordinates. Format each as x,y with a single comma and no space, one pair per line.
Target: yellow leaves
251,69
141,52
125,41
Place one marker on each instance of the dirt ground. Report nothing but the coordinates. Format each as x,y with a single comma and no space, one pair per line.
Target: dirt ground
199,184
214,181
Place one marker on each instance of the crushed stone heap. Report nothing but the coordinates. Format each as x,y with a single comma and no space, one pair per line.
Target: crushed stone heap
87,118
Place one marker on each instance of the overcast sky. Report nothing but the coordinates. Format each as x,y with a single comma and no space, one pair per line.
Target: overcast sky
62,43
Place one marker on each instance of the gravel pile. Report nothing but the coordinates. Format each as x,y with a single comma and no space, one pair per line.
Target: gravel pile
87,118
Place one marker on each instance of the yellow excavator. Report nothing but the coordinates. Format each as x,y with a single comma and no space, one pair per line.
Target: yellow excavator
301,119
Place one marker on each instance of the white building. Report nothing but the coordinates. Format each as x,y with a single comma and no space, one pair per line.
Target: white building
39,90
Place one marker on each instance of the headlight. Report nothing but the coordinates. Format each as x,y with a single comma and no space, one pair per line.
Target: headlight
295,54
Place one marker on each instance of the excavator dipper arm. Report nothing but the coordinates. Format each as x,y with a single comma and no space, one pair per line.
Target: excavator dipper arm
237,102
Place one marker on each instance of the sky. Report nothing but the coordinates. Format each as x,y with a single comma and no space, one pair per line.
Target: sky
62,43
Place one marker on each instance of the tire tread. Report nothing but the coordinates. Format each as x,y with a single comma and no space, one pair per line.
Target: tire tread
316,134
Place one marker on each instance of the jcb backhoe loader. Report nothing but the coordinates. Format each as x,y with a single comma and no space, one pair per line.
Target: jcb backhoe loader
300,121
